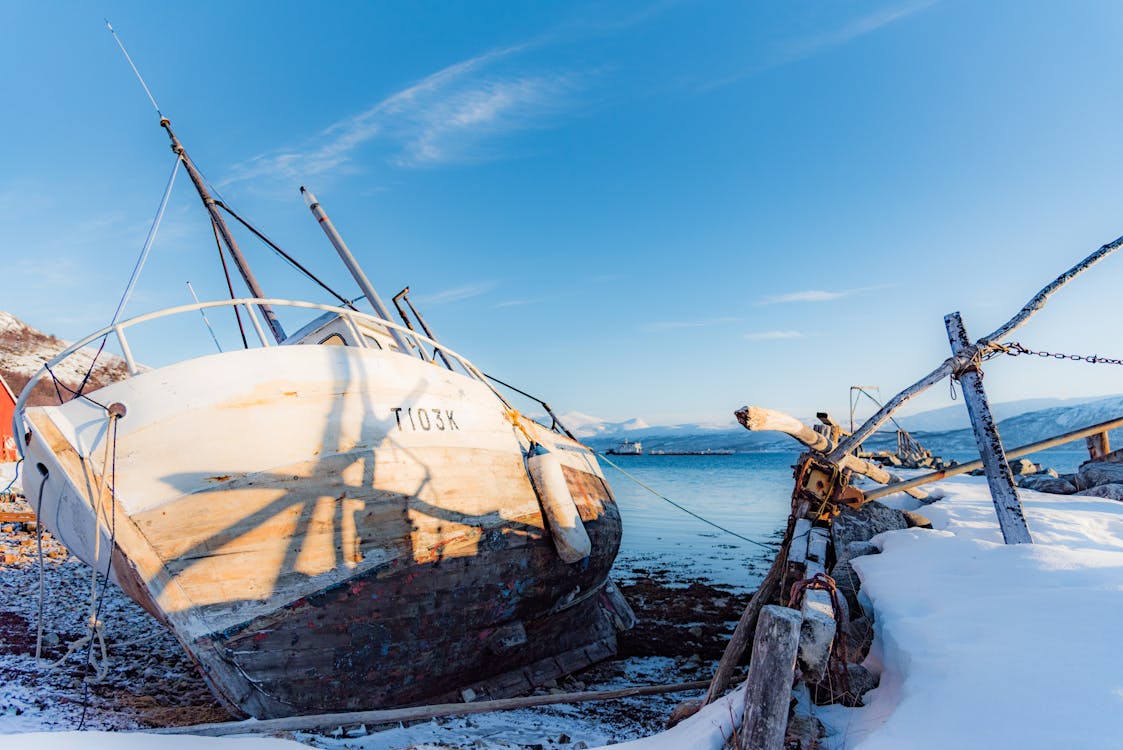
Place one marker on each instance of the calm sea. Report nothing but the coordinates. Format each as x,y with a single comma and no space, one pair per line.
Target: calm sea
747,493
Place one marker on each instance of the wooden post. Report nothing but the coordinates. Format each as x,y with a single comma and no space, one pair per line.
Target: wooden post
768,688
1006,503
1098,445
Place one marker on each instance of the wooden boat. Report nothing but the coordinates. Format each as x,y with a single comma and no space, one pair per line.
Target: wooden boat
351,517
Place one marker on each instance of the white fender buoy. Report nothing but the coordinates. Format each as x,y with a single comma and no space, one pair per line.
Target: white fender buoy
570,537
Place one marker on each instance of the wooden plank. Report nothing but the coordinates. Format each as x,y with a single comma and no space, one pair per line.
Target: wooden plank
1002,491
16,516
768,688
418,713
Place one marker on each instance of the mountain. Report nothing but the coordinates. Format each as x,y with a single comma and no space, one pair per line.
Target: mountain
954,417
1023,424
23,350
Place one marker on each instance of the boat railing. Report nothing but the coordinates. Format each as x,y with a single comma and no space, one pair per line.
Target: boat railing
427,348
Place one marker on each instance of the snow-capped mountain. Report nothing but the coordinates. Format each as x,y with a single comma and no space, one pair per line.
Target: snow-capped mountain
1022,424
23,350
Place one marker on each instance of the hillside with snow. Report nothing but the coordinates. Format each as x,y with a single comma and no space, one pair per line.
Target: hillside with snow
23,350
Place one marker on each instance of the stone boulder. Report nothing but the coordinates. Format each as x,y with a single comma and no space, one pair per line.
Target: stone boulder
1023,467
916,520
863,524
1111,491
1095,473
1046,483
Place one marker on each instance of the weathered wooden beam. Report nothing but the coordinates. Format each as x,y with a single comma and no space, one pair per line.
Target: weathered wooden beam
757,418
952,364
417,713
1018,452
768,688
16,516
1099,445
1002,491
816,634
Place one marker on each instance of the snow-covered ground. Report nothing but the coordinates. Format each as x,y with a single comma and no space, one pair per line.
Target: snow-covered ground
983,645
979,645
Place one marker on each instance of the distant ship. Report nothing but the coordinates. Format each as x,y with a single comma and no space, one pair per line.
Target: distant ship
627,448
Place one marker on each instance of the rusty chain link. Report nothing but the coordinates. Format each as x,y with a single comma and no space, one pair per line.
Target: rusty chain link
1015,349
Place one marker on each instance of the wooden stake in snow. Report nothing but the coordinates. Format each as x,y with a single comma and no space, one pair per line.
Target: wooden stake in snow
768,688
1006,503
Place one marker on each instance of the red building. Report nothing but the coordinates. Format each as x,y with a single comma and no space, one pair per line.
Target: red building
7,411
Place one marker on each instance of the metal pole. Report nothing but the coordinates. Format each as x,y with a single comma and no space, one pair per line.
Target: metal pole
970,466
425,326
232,246
1007,506
352,265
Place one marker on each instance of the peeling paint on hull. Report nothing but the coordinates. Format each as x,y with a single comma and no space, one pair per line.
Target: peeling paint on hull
312,548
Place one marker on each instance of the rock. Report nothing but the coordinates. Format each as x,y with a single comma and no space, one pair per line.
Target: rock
857,549
1070,478
861,680
859,638
847,583
1093,473
1046,483
804,732
695,631
1113,491
1048,473
864,524
916,520
1023,467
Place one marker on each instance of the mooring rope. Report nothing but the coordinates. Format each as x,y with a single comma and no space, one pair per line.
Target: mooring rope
685,510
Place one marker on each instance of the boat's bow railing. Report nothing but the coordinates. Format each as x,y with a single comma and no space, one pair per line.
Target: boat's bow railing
427,348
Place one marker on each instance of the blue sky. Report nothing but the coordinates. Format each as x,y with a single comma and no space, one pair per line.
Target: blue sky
654,209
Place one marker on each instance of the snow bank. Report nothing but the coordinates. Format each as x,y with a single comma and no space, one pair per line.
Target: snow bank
984,645
125,741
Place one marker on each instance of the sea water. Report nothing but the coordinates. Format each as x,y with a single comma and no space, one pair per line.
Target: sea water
746,493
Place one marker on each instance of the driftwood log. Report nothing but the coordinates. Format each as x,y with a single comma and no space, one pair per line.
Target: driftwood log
987,343
417,713
757,418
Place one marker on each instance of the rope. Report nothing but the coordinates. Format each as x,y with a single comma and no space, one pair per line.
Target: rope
15,478
687,511
147,248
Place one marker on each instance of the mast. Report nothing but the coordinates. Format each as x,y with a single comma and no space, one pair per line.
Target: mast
352,265
224,231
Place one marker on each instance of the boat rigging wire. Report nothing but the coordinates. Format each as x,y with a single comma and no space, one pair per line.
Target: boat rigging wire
687,511
292,261
205,318
132,65
229,284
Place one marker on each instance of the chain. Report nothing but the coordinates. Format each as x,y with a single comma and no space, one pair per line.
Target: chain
1015,349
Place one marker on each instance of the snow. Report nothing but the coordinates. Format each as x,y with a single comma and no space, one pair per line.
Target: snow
980,644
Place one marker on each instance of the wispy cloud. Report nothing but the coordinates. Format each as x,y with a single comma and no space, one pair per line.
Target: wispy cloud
774,335
671,325
513,303
445,117
793,50
799,49
815,295
456,294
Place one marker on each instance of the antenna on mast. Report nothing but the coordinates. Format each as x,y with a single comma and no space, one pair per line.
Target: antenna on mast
132,65
208,202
